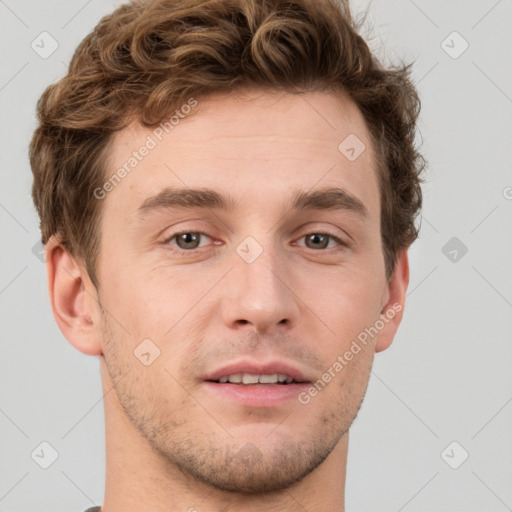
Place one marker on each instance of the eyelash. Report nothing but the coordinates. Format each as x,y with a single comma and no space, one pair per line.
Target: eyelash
167,240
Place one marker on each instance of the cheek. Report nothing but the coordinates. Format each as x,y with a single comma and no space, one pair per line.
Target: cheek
161,314
139,307
347,301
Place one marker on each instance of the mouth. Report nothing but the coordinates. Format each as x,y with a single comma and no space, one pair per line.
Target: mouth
250,379
253,384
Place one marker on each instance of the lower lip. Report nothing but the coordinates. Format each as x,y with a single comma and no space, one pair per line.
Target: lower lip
267,395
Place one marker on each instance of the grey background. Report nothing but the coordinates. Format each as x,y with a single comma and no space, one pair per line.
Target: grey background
447,375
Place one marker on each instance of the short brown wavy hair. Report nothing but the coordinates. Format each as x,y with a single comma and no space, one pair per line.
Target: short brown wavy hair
148,57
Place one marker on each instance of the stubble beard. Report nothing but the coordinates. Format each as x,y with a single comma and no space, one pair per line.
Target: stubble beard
212,456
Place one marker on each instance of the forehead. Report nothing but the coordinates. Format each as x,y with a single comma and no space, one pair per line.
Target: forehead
246,142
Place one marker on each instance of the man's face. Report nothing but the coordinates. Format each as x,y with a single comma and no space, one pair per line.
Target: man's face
257,287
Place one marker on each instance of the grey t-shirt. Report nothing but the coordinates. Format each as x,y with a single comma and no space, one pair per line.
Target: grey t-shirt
94,509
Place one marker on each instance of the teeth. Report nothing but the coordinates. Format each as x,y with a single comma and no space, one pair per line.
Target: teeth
268,379
248,378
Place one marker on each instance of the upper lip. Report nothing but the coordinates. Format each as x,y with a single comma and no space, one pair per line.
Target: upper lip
257,368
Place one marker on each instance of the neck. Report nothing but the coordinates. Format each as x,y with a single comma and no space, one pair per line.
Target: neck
138,478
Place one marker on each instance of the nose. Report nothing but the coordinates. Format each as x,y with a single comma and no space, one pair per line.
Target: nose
259,295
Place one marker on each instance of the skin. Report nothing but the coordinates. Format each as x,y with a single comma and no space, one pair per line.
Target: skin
171,443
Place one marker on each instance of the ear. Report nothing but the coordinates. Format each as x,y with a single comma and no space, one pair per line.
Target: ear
394,302
73,298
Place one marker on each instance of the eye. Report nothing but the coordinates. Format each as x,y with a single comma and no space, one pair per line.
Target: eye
321,240
188,240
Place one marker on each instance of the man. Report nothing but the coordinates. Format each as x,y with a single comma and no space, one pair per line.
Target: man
227,192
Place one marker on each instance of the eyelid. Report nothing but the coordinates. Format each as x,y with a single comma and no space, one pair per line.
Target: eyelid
167,239
341,242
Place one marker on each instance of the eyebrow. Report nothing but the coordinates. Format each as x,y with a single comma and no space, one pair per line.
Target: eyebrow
323,199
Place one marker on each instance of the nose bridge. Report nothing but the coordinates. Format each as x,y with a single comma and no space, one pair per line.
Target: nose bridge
259,294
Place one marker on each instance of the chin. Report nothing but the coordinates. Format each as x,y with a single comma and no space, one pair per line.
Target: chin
253,468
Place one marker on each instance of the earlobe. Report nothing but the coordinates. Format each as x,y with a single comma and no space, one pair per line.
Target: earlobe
74,306
392,311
